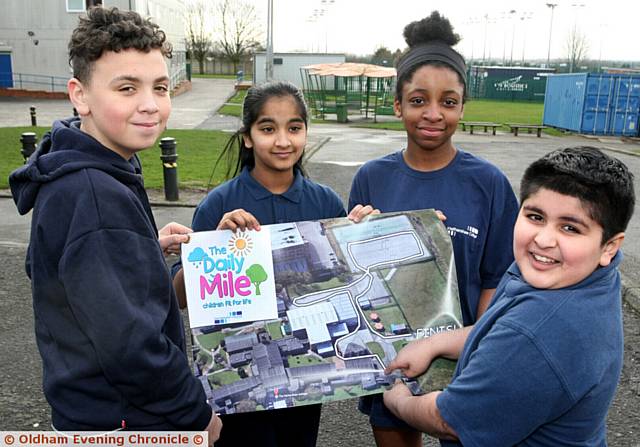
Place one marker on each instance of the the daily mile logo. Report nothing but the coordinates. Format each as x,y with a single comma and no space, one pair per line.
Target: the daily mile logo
223,276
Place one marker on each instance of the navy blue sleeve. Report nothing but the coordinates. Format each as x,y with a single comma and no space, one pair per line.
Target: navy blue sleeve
122,308
488,405
498,251
337,208
359,191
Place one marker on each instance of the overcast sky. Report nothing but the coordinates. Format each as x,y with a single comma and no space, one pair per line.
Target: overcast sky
486,26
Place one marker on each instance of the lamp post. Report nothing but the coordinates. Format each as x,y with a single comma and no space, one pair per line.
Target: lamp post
552,6
484,44
325,6
269,61
513,35
524,17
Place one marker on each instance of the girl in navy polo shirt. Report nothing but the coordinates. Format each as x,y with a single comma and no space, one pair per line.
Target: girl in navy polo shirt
268,187
430,172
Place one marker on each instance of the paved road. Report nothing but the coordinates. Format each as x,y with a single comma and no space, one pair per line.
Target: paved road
22,406
190,109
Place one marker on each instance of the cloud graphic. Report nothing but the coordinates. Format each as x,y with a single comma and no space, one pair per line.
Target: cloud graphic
197,255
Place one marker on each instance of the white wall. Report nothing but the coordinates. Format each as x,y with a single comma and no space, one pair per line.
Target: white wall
291,64
52,26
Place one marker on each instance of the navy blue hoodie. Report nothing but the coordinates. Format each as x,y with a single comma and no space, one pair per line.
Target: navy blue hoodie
107,321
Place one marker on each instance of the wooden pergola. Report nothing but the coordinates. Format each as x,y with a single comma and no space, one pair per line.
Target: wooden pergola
343,87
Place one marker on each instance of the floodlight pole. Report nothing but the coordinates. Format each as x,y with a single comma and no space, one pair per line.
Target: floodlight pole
269,61
484,44
552,6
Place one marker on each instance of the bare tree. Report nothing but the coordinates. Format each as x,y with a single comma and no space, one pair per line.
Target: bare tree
577,48
198,38
239,29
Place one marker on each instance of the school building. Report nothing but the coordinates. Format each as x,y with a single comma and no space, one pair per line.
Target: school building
34,35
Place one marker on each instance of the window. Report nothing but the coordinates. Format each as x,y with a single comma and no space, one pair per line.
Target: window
81,5
75,5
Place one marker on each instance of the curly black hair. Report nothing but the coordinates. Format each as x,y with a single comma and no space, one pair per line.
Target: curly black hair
109,29
430,29
603,184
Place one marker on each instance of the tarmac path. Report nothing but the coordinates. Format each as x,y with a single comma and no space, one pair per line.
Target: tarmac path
334,154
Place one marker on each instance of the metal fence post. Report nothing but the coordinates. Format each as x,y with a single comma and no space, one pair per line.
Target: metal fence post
32,112
169,159
28,140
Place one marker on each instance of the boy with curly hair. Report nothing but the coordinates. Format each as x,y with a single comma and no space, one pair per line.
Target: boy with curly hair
107,322
542,364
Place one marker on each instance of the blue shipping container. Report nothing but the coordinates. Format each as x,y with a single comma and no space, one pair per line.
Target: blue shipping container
593,103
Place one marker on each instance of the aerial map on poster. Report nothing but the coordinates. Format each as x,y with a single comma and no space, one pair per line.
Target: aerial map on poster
347,298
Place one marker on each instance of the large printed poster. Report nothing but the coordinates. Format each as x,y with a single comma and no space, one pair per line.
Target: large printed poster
348,297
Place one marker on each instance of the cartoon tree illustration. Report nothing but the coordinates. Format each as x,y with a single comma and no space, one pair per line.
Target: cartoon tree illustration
257,275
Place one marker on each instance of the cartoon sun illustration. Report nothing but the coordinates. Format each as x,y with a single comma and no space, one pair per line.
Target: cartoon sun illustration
240,244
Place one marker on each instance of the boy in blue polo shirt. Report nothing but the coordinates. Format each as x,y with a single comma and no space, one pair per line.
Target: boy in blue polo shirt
542,364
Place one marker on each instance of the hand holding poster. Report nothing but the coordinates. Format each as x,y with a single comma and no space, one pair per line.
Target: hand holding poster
347,298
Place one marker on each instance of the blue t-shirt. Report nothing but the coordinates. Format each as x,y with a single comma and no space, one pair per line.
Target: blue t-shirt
541,367
476,198
304,200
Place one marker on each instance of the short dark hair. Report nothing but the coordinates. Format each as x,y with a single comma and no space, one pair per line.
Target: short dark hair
603,184
109,29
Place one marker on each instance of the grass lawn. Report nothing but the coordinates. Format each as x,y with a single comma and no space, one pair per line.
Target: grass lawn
211,340
10,149
233,107
399,344
390,315
375,348
198,151
205,357
488,110
331,284
418,287
302,360
224,377
274,330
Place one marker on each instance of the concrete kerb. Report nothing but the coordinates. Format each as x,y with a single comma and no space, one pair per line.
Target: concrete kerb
631,294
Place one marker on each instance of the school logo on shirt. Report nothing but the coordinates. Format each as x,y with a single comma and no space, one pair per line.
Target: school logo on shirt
470,231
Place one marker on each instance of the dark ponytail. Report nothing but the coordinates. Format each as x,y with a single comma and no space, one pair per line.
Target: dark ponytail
251,108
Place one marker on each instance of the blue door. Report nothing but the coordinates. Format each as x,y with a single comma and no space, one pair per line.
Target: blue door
6,73
626,106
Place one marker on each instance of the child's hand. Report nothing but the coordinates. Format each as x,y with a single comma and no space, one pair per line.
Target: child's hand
214,427
171,236
441,215
393,397
359,212
238,219
413,359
